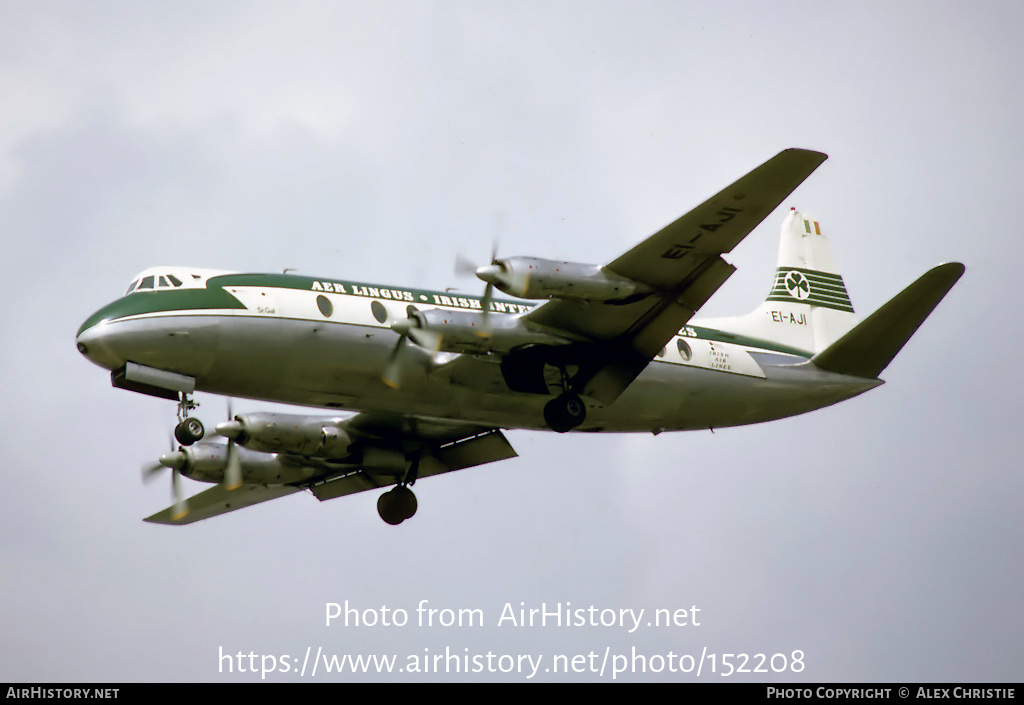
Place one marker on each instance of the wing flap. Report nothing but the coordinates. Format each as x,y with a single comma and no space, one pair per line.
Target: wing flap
479,449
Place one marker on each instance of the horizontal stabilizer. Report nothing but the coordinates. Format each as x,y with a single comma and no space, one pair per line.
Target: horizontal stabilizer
871,345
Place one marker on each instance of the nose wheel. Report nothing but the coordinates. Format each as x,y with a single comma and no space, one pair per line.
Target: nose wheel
189,428
189,431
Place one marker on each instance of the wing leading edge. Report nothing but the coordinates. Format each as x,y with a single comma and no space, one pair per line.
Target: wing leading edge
682,263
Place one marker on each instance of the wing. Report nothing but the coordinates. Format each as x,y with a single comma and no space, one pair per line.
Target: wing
439,446
445,445
219,500
683,267
469,452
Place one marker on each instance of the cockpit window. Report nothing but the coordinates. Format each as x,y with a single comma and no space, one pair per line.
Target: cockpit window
161,279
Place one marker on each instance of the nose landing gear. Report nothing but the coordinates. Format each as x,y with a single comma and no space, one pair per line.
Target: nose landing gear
189,428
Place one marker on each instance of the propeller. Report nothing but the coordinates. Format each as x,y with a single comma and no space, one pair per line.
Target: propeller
233,472
393,372
175,461
491,274
407,328
231,429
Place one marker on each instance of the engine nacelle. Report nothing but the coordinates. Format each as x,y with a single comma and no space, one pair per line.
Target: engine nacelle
207,462
471,332
536,278
316,436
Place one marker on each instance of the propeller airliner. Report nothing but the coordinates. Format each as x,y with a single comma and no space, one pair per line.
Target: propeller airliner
433,378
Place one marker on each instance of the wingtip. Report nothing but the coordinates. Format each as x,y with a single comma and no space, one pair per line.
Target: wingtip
949,273
800,159
804,150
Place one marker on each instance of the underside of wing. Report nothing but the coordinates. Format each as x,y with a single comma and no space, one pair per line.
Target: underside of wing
219,500
273,455
436,446
486,447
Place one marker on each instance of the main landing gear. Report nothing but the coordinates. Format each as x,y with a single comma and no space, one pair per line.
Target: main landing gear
396,505
189,428
566,411
399,503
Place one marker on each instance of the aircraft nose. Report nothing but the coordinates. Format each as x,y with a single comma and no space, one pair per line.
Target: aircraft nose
93,344
84,339
100,337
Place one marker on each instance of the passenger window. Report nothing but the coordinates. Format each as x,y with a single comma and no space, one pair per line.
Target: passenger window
684,350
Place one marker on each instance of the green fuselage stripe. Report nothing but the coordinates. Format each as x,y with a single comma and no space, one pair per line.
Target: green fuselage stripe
215,297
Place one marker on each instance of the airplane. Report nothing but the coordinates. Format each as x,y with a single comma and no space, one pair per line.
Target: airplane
433,378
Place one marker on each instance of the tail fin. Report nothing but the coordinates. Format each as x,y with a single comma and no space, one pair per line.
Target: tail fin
808,307
869,348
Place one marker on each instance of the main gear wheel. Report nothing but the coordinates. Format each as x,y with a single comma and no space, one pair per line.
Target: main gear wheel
397,505
565,412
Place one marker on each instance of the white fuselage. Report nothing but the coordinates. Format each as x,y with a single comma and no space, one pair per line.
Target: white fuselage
322,343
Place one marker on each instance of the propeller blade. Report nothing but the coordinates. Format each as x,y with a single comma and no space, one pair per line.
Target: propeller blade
231,429
180,504
175,460
233,472
393,372
491,274
485,304
464,266
152,470
431,340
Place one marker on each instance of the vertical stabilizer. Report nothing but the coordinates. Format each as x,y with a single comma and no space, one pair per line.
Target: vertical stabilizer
808,307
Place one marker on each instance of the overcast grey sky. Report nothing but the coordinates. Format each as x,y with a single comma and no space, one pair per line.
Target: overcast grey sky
374,141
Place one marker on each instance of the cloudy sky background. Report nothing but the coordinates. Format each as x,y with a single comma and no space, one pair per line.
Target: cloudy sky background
374,141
